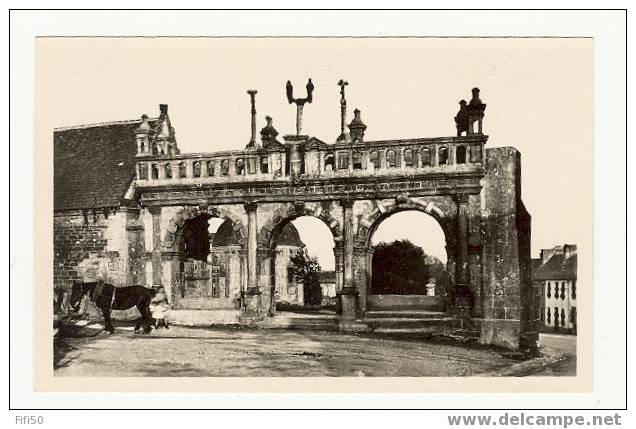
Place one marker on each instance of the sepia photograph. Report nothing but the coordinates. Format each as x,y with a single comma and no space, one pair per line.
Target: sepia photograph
317,207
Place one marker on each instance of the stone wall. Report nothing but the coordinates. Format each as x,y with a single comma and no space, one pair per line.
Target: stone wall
94,245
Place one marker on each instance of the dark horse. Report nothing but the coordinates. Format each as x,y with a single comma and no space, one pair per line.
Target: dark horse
107,297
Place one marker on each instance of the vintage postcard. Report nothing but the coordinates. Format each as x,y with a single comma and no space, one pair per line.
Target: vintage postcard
334,214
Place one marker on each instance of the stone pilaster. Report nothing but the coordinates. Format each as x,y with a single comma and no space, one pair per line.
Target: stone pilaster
347,294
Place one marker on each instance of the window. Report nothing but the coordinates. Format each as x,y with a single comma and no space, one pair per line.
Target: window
290,274
343,161
391,161
196,169
563,321
542,315
374,158
408,158
573,289
210,168
556,317
264,165
240,167
549,315
357,161
573,317
155,171
225,167
549,294
426,157
168,168
143,171
182,170
443,155
461,155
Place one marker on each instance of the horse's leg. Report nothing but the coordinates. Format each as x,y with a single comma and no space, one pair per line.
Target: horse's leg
108,326
146,317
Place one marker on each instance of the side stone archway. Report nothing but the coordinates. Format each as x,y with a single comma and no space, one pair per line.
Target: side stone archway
441,208
173,234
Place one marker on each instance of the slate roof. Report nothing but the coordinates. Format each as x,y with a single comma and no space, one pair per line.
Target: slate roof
93,165
557,268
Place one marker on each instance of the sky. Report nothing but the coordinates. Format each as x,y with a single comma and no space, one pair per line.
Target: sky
539,96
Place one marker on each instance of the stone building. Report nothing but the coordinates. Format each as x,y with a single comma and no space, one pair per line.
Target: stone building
140,207
555,278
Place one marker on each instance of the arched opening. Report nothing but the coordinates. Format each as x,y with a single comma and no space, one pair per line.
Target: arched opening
155,171
443,155
357,161
374,159
391,159
408,158
182,170
168,170
343,161
143,171
210,168
225,167
303,265
211,268
196,169
329,162
426,157
461,155
240,167
264,165
409,256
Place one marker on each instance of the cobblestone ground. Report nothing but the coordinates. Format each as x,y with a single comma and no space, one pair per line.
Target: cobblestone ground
195,352
553,344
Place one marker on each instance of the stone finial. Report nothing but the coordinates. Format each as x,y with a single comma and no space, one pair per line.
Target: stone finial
252,143
461,119
163,108
357,127
476,111
268,133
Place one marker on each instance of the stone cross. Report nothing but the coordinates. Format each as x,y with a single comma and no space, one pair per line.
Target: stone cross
300,102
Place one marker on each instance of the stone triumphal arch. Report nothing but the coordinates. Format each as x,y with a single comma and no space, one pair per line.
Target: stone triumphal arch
350,185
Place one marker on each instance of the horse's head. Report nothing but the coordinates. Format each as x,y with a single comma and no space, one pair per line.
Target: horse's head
75,298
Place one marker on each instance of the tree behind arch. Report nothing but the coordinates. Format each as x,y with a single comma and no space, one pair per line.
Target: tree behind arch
401,268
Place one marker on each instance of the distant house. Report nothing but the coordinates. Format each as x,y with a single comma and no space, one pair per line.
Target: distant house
328,286
555,275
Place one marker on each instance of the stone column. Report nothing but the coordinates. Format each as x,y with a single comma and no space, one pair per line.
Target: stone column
463,301
321,161
156,245
350,160
252,293
348,291
204,168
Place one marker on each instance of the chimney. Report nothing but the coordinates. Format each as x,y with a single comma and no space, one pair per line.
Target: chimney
569,250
